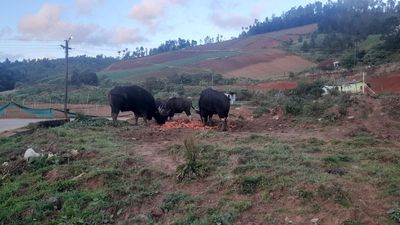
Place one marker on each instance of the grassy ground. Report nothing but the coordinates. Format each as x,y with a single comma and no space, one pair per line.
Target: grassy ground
118,174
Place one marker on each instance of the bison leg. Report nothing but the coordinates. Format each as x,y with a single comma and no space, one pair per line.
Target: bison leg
136,119
188,114
225,127
204,120
114,116
145,120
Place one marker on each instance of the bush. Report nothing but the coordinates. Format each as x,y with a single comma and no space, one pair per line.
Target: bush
309,90
294,106
86,77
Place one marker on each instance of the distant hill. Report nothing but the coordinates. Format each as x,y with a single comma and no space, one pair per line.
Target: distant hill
258,57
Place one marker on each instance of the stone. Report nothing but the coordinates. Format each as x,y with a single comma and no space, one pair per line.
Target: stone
314,221
5,164
287,220
56,202
30,153
74,152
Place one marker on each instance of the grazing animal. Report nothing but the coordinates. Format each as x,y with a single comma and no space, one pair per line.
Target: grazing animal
136,99
213,102
161,104
179,105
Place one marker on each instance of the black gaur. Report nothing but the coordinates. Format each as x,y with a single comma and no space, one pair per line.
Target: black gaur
136,99
213,102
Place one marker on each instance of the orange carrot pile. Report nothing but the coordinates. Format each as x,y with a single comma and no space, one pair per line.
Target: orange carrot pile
195,124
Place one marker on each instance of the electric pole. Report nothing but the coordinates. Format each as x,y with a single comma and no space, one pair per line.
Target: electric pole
66,47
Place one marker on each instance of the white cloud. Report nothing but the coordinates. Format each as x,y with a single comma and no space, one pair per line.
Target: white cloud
85,7
47,24
229,21
44,20
151,12
224,20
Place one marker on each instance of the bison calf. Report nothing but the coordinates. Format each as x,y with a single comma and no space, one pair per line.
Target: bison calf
179,105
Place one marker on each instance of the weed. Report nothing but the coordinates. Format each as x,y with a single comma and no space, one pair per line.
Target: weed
351,222
335,193
175,201
250,184
336,159
305,196
394,214
192,167
362,141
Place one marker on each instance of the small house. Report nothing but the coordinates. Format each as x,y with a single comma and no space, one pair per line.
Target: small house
350,87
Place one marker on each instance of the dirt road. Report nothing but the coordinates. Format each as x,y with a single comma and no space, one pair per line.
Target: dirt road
11,124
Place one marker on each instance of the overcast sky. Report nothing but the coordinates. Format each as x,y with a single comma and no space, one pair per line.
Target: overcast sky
35,29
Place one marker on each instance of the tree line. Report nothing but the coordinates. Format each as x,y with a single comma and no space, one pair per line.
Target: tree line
167,46
45,70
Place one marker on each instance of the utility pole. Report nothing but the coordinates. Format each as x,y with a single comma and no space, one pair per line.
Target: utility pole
66,47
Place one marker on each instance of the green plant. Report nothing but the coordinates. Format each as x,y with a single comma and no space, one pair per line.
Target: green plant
192,167
175,200
351,222
394,214
250,184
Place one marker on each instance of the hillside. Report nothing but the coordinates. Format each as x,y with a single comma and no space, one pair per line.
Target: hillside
257,57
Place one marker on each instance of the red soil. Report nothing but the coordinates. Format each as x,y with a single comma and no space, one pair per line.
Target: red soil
382,84
276,85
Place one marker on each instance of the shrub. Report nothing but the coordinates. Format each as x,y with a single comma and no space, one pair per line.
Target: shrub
309,89
294,106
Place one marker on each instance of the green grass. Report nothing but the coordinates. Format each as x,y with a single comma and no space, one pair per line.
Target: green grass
255,173
24,196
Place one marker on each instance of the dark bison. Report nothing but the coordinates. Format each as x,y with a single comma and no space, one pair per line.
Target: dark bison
213,102
136,99
161,104
179,105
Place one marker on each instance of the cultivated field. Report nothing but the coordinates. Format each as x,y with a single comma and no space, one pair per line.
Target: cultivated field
254,57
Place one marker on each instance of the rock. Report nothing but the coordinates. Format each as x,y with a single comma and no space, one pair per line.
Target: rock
30,153
74,152
50,155
350,117
276,117
5,164
314,221
79,176
156,213
287,220
56,202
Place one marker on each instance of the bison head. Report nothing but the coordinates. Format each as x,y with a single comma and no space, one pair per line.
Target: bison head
161,115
